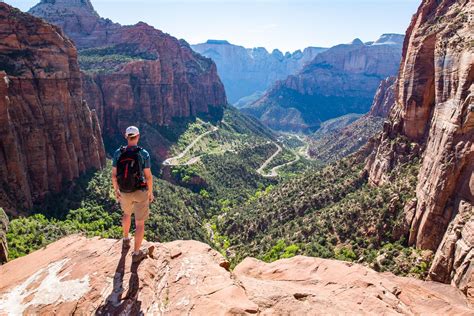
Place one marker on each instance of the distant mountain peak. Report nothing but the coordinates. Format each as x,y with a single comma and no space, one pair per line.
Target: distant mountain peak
357,41
390,38
86,5
217,42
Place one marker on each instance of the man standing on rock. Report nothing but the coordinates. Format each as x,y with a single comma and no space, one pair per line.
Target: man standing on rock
133,185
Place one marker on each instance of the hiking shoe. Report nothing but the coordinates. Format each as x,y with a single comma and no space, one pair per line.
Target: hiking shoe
125,243
142,254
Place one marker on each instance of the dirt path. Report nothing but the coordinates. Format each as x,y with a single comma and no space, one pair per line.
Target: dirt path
174,161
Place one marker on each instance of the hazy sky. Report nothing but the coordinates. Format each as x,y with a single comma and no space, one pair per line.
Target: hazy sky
283,24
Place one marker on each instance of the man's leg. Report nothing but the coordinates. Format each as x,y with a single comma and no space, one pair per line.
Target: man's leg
126,221
142,212
126,204
139,233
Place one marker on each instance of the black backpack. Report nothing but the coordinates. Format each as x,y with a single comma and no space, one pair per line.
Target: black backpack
129,170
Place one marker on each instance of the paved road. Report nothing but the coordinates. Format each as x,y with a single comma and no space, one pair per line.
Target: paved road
174,161
265,164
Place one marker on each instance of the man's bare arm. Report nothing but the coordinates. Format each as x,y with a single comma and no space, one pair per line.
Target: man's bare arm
115,183
149,183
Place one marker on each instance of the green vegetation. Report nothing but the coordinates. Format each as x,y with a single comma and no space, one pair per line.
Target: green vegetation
110,58
281,251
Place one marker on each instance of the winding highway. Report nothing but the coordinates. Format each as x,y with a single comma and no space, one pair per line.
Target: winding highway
174,161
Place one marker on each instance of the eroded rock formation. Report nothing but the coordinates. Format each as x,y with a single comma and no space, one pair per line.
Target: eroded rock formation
84,276
137,75
49,134
339,81
434,113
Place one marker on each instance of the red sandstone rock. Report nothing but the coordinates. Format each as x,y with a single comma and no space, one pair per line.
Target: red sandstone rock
49,135
84,276
434,111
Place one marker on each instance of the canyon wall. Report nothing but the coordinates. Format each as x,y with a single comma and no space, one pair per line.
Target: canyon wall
49,134
433,117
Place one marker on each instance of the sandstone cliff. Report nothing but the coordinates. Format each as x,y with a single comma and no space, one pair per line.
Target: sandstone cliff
49,134
137,75
246,71
95,276
3,237
339,81
434,114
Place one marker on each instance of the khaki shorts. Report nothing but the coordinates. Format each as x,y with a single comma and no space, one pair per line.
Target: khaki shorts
137,203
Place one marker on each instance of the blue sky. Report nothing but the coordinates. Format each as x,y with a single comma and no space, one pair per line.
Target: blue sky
284,24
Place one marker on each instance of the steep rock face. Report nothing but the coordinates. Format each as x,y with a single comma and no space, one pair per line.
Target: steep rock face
49,134
384,98
339,81
245,71
434,111
137,75
3,237
95,276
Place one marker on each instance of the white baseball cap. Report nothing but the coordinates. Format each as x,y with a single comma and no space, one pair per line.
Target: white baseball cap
132,131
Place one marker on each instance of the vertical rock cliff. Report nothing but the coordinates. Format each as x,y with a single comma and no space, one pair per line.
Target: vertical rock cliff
49,134
137,75
434,114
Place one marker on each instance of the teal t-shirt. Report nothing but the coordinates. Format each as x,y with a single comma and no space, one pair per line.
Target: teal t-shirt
143,154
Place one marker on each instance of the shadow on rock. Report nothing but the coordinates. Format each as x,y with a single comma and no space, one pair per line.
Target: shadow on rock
117,303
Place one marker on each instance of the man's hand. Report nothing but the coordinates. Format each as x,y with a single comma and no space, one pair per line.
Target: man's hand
150,196
117,195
